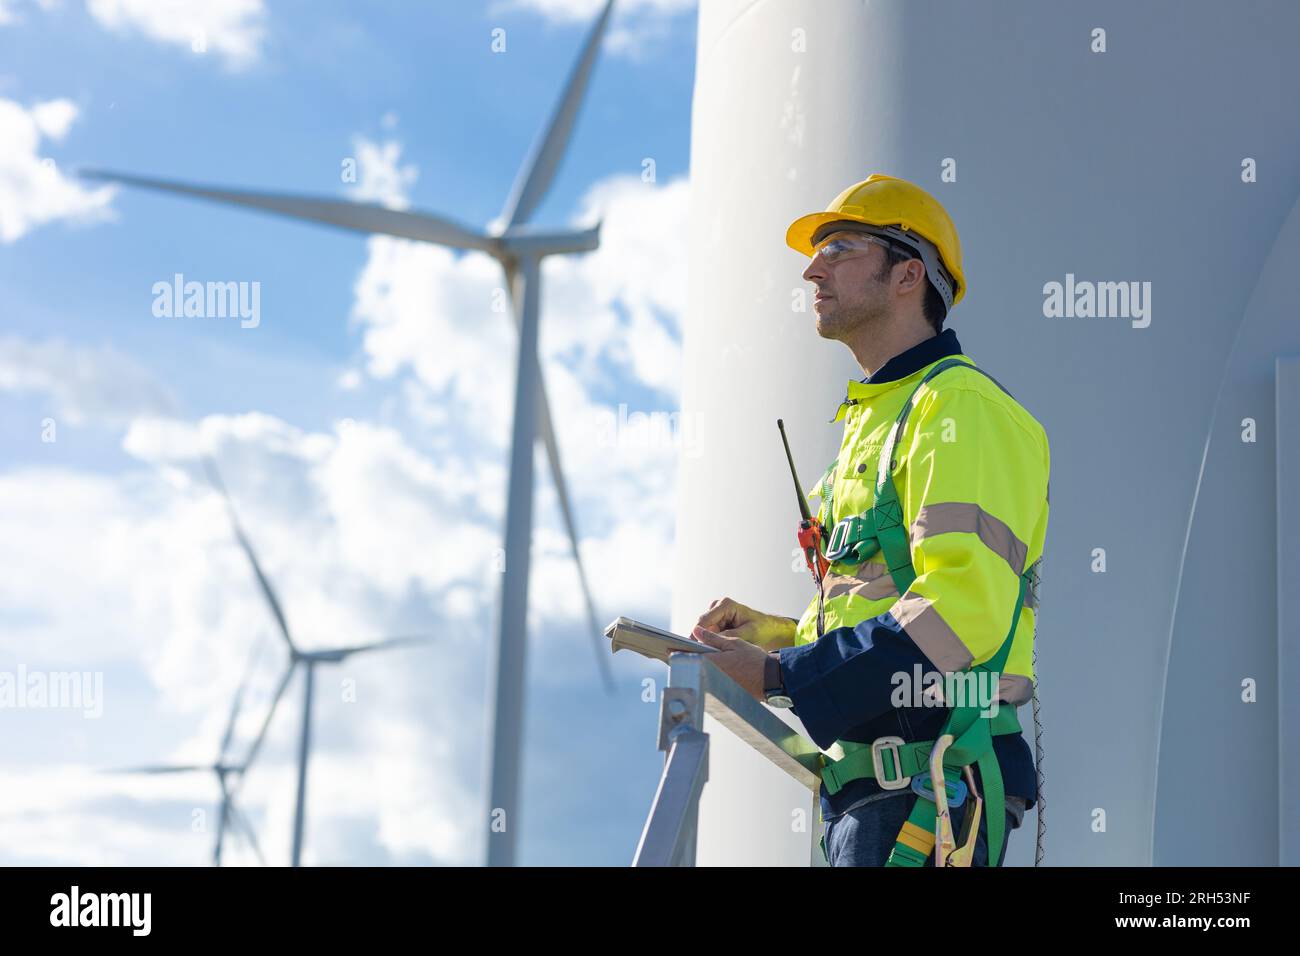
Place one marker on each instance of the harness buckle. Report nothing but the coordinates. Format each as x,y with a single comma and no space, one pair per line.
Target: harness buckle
855,535
955,790
878,748
838,545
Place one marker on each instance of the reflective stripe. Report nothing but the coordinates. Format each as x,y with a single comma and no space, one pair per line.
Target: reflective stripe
871,581
931,633
937,641
964,516
1013,689
940,643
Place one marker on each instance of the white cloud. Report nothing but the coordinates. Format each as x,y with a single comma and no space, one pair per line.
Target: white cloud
32,189
73,816
431,310
385,536
639,270
634,24
7,7
54,118
569,10
140,573
381,179
233,29
444,315
82,384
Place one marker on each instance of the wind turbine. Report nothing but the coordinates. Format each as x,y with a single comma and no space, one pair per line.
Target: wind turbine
228,812
308,659
519,248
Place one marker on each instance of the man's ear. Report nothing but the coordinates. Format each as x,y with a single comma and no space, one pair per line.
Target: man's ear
920,282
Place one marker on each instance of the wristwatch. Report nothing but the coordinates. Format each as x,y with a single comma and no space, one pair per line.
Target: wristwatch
774,694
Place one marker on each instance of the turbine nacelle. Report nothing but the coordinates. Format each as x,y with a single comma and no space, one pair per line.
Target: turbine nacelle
518,242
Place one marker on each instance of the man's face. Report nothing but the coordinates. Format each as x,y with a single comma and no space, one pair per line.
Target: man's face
852,281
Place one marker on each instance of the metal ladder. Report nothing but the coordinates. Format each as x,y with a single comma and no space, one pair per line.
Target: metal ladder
695,688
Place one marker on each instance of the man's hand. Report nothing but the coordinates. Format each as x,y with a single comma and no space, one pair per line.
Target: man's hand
738,659
732,619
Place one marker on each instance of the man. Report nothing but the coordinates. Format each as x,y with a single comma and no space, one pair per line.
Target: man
938,505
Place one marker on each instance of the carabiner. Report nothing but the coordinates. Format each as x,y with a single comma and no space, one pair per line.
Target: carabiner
944,843
970,826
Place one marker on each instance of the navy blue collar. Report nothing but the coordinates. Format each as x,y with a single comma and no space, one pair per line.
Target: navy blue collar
916,358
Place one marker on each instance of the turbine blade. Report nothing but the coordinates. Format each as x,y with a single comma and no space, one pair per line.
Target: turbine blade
223,812
165,768
547,433
257,741
570,526
241,821
380,645
268,592
360,217
234,707
544,160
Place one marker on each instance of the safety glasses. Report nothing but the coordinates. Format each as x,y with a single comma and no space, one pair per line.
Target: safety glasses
839,246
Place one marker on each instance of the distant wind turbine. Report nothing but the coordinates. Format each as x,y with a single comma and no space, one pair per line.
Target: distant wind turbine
519,248
297,655
228,813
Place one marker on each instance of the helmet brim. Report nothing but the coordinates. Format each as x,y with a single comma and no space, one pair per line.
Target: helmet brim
800,234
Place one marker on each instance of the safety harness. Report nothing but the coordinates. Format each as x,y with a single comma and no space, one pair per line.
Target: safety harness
966,738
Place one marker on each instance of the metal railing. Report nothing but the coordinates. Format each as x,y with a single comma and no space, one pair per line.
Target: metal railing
695,688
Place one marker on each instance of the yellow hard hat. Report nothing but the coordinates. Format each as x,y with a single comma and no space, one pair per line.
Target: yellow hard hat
903,212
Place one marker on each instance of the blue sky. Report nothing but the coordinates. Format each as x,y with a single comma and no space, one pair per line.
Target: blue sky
361,425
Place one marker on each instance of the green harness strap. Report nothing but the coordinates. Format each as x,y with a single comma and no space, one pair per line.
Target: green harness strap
972,732
828,494
913,758
891,529
973,743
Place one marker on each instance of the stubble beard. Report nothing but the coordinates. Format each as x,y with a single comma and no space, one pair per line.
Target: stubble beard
842,320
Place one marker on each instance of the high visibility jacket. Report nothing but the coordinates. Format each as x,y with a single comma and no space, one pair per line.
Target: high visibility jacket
971,472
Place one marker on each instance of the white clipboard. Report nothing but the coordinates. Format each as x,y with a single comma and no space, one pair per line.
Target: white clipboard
650,641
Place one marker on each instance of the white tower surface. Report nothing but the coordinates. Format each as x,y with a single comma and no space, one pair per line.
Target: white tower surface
1163,151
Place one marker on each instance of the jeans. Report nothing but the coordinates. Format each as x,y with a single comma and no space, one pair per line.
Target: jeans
865,835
